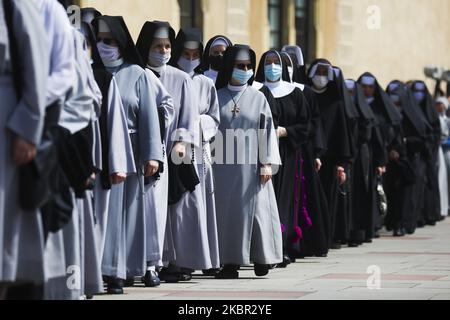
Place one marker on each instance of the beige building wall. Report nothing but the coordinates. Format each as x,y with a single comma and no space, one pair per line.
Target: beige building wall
137,12
243,21
411,34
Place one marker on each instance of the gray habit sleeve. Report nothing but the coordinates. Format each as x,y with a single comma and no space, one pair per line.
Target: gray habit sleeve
149,132
27,120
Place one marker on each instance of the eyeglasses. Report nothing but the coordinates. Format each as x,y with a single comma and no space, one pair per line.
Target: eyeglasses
107,41
243,66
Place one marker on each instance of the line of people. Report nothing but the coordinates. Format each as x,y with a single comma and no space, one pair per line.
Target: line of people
149,161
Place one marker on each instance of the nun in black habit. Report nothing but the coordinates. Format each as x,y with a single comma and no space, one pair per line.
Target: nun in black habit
322,80
429,214
344,216
89,14
389,119
405,171
370,154
293,131
315,241
213,56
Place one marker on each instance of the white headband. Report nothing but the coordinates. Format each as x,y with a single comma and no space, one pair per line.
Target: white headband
243,55
219,42
88,17
103,27
420,86
350,84
330,70
368,80
393,86
297,51
162,33
192,45
444,101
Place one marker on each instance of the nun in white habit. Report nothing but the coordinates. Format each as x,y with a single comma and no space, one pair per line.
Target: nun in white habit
125,246
442,107
248,222
79,113
113,150
195,222
155,45
21,123
61,75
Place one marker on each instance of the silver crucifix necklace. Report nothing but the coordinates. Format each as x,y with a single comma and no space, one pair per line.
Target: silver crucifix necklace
236,109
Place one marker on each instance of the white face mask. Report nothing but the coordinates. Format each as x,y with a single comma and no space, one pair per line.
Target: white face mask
157,59
108,53
188,66
320,82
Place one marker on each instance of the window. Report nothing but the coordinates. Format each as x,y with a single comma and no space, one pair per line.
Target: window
275,7
304,25
190,14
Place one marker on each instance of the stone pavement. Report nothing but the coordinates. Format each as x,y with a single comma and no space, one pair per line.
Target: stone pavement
412,268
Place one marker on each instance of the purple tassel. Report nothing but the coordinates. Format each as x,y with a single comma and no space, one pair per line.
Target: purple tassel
297,230
298,234
283,228
305,213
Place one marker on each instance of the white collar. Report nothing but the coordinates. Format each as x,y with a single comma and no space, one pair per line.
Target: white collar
114,63
237,88
319,91
299,85
158,69
280,89
257,85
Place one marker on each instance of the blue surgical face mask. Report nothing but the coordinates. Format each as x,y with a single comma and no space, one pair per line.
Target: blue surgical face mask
273,72
157,59
188,66
241,76
107,52
320,82
419,96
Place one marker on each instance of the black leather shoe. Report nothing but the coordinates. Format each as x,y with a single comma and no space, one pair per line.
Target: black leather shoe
336,246
227,275
210,272
285,263
353,245
114,286
368,241
261,270
399,233
168,277
321,255
228,272
151,279
129,283
184,277
431,223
